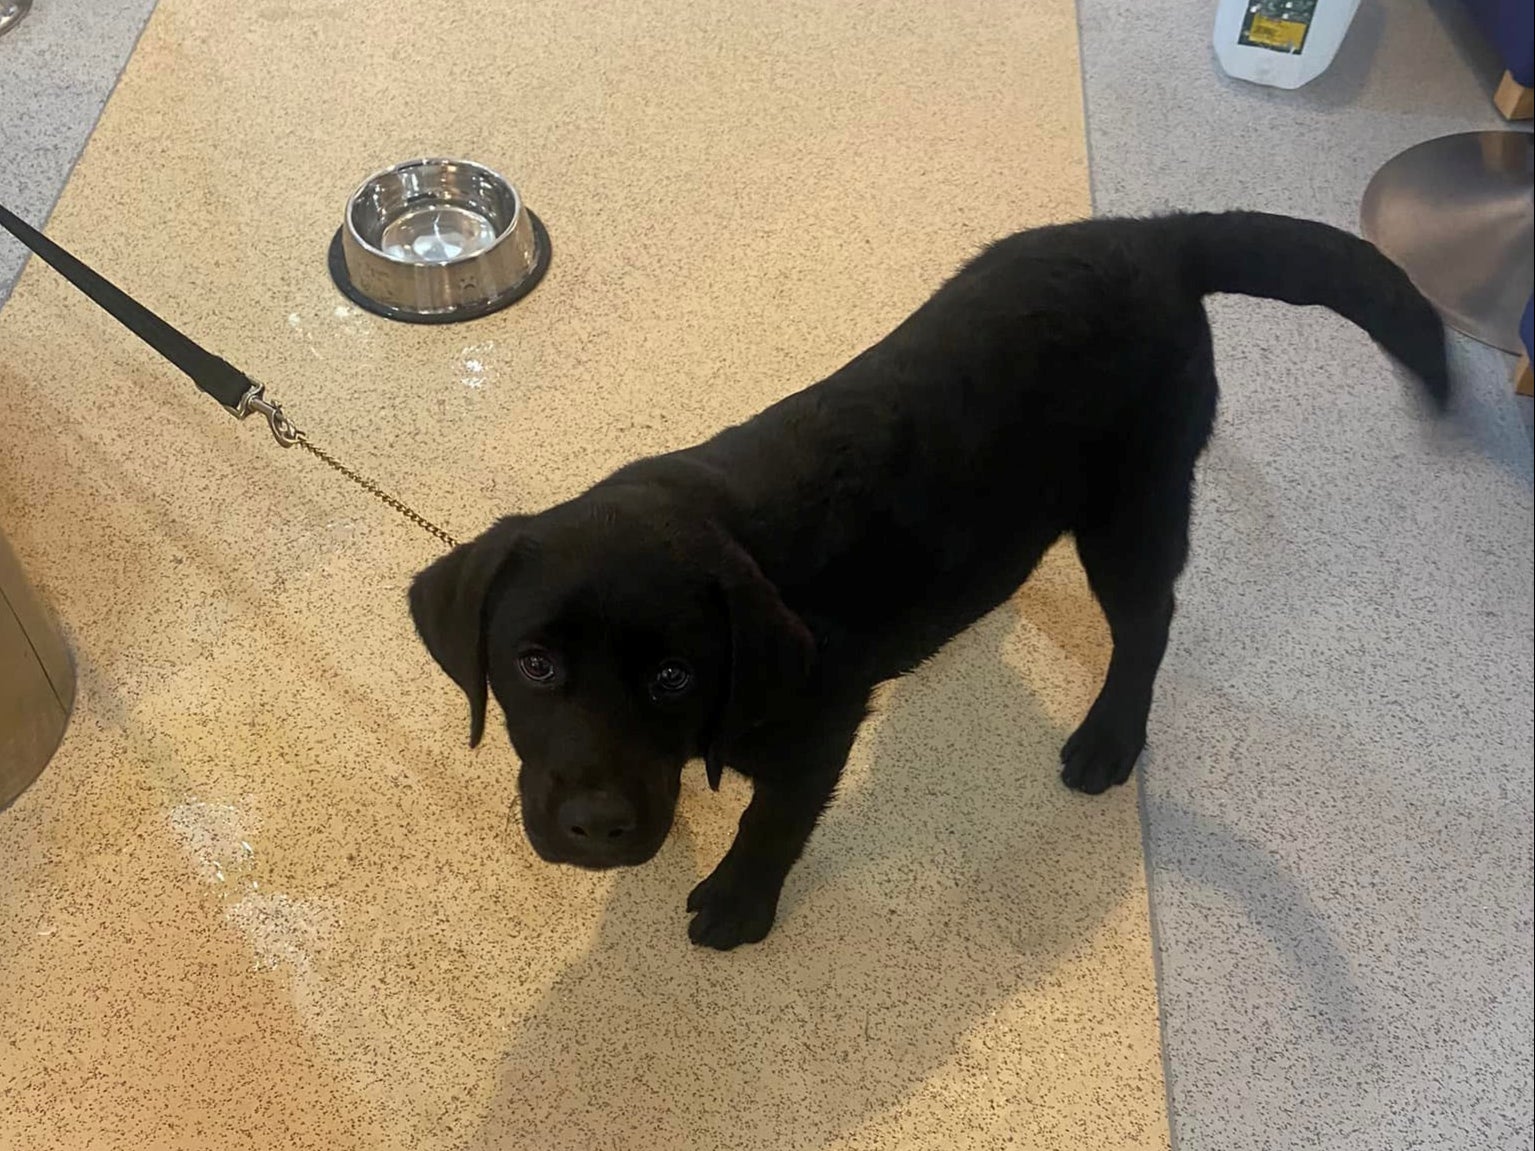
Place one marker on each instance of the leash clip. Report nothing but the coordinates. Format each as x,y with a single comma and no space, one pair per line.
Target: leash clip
254,400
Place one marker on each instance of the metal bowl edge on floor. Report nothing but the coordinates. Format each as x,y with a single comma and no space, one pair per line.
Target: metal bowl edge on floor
11,12
437,240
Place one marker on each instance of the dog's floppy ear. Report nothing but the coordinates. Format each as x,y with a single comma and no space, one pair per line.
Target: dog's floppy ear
771,651
448,602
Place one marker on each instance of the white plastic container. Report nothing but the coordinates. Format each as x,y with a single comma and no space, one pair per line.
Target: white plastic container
1282,43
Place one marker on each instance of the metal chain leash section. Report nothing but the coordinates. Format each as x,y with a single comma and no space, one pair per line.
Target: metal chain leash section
214,376
372,488
287,435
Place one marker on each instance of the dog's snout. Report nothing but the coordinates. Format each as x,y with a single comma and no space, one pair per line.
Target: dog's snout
597,821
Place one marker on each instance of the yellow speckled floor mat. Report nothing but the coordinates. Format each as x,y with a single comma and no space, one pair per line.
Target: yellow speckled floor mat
264,897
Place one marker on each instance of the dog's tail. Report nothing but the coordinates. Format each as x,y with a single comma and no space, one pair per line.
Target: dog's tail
1304,262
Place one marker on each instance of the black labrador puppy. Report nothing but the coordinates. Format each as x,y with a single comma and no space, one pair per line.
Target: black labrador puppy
739,600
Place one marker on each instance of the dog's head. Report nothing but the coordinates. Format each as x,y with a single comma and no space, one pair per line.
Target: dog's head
622,637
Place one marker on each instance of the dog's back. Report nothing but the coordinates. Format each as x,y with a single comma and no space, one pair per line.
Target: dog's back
915,488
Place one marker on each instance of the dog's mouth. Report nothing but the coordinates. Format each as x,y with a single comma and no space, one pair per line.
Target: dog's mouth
606,863
592,859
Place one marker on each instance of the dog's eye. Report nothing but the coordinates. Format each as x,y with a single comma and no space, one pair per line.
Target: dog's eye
672,679
536,666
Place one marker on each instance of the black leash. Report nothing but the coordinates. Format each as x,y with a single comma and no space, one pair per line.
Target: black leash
233,389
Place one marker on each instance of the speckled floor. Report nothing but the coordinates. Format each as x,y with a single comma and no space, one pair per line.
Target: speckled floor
265,897
1339,791
57,68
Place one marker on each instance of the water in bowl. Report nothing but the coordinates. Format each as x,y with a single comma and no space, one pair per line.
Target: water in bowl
437,233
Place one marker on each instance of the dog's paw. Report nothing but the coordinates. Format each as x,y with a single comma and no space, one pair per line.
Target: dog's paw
1098,756
728,912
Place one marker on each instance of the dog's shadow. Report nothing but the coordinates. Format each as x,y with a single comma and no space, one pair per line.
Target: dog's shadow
954,875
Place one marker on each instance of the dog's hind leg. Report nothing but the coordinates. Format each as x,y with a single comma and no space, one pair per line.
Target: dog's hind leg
1103,750
1131,563
1133,547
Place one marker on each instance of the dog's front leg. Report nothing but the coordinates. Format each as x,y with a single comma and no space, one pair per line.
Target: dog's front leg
738,901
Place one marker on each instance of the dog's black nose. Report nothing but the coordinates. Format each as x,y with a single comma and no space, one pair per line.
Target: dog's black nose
595,821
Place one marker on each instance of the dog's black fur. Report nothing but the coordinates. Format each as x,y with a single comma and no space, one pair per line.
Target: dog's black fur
739,600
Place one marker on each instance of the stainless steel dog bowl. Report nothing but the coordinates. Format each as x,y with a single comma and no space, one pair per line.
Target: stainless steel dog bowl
433,241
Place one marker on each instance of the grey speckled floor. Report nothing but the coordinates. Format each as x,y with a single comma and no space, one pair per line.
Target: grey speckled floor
57,68
1338,790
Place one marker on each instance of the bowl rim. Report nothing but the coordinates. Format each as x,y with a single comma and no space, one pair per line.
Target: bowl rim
373,250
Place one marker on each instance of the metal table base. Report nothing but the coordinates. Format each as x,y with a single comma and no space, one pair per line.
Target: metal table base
1456,214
